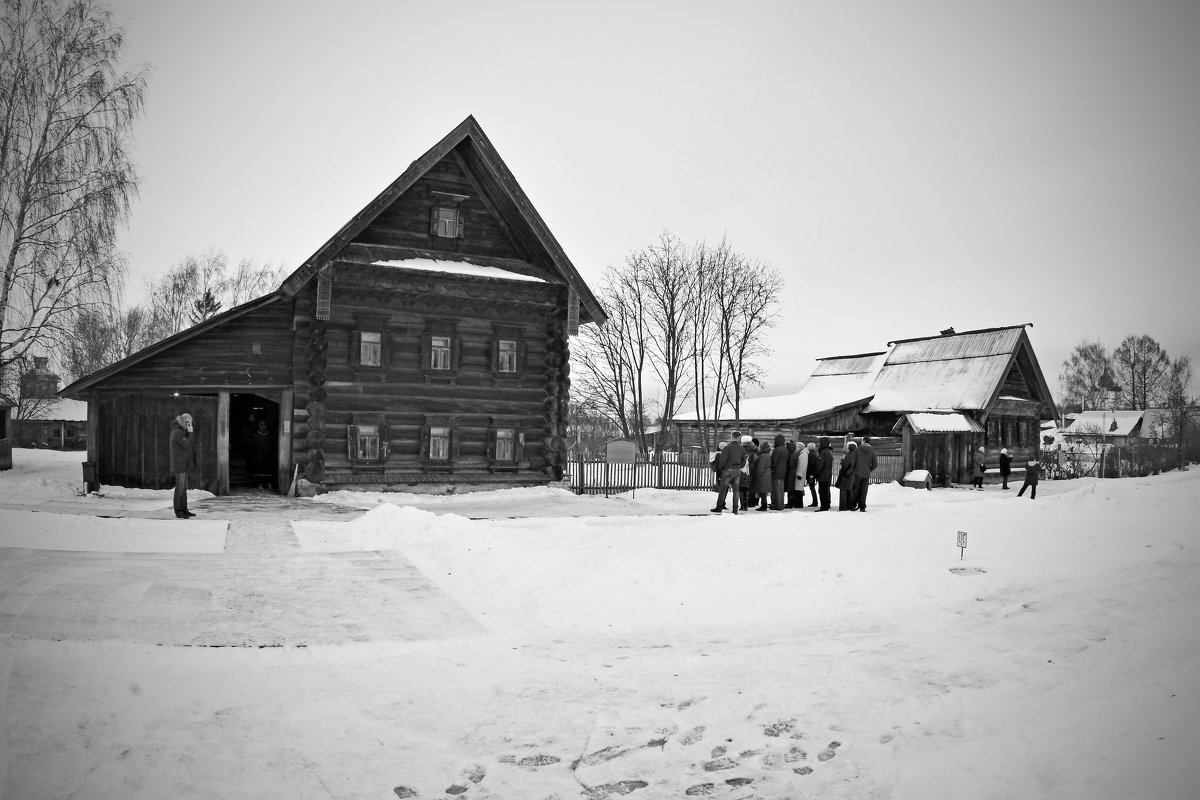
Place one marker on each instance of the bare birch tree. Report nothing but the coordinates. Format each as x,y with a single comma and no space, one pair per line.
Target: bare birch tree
66,180
1143,370
199,286
667,275
1080,376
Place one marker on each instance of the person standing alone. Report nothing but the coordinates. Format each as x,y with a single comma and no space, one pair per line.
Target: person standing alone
182,458
1005,466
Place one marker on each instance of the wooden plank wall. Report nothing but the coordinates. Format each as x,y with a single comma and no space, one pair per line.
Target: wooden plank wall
220,357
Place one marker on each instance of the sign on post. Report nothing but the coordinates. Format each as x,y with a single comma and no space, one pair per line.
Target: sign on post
962,544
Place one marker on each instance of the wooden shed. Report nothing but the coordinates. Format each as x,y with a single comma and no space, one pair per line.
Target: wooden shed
938,397
425,344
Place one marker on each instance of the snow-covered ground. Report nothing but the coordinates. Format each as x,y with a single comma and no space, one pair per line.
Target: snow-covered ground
534,644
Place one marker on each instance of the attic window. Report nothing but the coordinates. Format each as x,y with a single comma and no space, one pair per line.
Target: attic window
447,222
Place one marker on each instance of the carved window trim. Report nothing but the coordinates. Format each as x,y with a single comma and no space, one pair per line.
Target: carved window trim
437,429
441,329
512,430
368,431
508,352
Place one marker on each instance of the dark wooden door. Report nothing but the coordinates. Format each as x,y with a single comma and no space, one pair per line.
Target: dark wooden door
134,446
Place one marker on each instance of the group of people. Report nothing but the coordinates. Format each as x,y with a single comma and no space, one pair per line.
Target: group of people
979,466
754,474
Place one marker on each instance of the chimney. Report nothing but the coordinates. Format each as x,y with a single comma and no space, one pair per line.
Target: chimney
948,332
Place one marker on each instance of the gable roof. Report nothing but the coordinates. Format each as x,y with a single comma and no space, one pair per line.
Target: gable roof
169,342
960,371
510,200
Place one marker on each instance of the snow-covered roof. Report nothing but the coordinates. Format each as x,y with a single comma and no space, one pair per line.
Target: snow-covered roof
64,409
830,386
458,268
959,371
947,373
1115,423
933,422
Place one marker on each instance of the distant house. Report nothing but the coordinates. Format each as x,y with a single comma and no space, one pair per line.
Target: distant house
932,400
425,344
45,419
1119,427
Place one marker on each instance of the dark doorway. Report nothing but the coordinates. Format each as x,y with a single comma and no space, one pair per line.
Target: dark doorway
253,443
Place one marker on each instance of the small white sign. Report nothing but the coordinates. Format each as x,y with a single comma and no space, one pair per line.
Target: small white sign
962,544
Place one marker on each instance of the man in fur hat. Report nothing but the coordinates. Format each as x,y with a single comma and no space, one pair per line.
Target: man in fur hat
182,460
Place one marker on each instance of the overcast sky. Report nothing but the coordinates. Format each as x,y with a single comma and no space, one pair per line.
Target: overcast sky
906,166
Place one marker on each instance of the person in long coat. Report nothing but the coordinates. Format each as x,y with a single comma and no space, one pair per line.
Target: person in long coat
811,474
845,478
750,447
762,475
863,467
182,459
801,472
824,473
1005,466
789,480
779,462
977,469
729,466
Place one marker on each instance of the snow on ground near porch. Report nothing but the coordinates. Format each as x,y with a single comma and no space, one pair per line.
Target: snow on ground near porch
530,643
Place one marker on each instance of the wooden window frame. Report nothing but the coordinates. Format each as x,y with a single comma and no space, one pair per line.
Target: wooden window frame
370,324
383,433
514,335
453,228
439,329
517,428
452,445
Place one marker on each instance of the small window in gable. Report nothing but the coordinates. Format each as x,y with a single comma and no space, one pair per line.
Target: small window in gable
447,222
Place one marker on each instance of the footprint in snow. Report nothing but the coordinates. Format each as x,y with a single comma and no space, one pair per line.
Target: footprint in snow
829,752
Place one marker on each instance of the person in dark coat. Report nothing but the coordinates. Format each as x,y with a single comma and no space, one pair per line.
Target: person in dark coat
779,462
977,468
729,466
1031,479
1005,466
182,460
845,478
811,475
863,467
824,474
762,476
750,448
789,480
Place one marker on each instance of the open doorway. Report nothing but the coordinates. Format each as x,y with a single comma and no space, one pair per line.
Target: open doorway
253,443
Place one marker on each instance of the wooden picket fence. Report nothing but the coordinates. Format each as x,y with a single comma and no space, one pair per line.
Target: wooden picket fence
689,473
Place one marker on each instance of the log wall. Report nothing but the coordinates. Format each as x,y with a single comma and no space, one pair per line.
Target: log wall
404,397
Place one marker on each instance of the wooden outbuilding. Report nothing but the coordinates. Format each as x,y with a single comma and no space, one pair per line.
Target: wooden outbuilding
932,399
424,345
